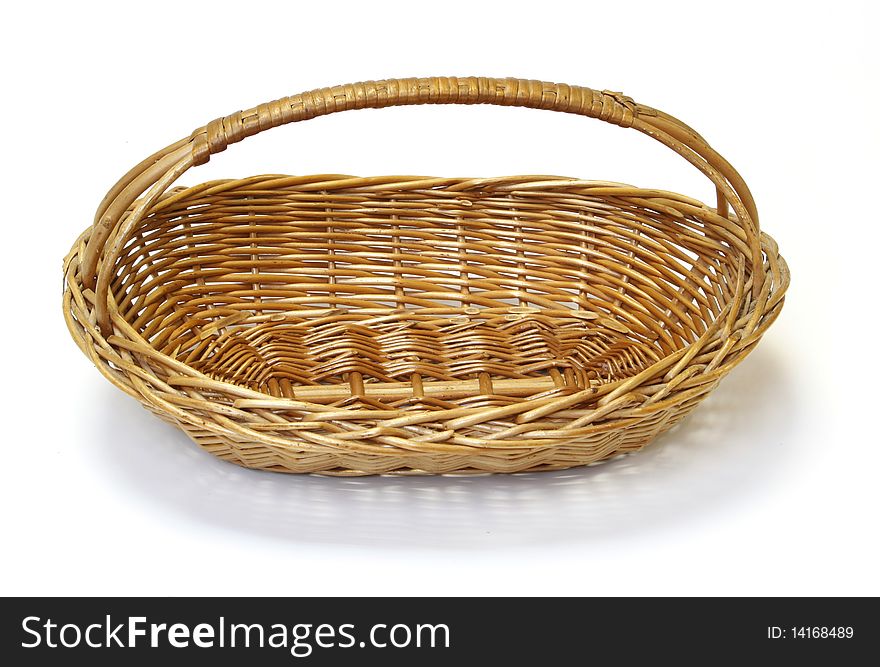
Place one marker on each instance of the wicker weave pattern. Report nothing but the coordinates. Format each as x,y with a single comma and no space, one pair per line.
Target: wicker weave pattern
386,324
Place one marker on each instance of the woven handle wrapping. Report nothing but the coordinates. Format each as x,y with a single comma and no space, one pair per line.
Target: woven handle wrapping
113,225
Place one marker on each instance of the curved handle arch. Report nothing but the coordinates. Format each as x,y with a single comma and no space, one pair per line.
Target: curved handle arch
149,179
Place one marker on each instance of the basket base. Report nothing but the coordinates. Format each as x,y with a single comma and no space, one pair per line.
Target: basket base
586,450
329,357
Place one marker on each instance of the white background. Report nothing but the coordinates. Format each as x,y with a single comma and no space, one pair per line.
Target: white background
770,487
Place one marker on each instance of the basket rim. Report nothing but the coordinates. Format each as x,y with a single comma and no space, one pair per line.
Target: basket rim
549,398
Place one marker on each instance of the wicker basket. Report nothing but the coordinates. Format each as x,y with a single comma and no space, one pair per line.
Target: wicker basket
408,324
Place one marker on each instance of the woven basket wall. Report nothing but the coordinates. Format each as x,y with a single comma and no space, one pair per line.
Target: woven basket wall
354,325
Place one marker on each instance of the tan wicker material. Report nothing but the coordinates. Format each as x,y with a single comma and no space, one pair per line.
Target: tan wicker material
409,324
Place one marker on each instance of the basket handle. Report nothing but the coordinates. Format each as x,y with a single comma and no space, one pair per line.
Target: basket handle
115,219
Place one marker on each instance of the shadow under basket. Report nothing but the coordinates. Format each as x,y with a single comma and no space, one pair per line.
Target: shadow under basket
351,325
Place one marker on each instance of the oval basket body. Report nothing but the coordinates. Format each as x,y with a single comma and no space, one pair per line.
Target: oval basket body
352,325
